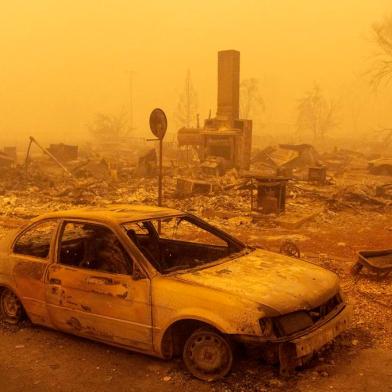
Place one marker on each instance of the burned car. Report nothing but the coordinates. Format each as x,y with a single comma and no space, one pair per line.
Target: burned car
166,283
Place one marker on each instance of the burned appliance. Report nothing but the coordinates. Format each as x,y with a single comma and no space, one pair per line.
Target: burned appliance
64,152
268,194
317,175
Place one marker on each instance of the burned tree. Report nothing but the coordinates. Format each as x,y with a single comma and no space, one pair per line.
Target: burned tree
382,36
108,127
187,105
316,114
251,101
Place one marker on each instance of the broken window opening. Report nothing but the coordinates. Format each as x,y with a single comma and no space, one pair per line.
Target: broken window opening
35,241
92,246
183,243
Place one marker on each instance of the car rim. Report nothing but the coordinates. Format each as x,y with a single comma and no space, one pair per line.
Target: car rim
11,306
208,356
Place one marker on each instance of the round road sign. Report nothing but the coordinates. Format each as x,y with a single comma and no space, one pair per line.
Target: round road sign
158,123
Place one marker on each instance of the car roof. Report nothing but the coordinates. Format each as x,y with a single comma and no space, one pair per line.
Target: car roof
119,213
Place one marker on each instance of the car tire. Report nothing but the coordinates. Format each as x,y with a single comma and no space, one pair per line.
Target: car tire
208,355
11,309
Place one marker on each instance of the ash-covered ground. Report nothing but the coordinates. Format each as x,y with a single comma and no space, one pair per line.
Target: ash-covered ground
328,222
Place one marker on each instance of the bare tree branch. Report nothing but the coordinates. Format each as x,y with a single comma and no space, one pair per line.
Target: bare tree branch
251,101
316,114
382,37
108,127
187,104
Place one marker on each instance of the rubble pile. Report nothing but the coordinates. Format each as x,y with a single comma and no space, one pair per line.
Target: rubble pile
357,196
98,181
287,158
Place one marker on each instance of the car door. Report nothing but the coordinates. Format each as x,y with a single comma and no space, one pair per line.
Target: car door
95,292
31,254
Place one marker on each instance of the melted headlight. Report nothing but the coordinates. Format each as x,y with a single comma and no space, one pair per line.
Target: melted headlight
291,323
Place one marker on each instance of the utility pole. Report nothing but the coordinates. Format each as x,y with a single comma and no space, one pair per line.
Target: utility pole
131,100
188,98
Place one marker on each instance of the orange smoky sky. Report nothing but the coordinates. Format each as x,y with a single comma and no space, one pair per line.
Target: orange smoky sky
63,61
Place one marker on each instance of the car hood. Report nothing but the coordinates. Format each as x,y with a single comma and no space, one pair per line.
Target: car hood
278,283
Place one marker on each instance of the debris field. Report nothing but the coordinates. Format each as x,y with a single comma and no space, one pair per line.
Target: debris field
329,222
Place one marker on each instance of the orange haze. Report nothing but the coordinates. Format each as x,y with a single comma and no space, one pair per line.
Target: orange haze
63,61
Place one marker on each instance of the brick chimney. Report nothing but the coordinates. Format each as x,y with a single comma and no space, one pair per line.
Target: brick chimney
228,84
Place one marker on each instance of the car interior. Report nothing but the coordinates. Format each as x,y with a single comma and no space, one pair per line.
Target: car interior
168,254
166,244
93,247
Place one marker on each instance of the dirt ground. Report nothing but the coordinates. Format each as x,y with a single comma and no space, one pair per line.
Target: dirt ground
36,359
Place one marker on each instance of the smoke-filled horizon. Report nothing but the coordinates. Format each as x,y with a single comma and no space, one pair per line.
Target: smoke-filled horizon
62,62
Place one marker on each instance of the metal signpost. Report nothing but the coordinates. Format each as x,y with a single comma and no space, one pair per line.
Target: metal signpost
158,126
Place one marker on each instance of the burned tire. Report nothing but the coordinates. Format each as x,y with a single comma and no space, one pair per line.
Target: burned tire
11,309
208,355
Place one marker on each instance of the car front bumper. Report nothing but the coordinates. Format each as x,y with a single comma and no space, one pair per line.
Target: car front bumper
292,352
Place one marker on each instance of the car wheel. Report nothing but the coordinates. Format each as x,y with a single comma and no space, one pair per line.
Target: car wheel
11,309
208,355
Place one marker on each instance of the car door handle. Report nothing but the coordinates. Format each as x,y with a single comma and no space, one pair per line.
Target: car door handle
99,280
54,281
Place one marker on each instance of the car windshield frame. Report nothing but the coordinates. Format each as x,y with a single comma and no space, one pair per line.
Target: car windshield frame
237,247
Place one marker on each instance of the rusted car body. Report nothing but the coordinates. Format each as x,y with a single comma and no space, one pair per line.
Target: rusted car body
163,282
